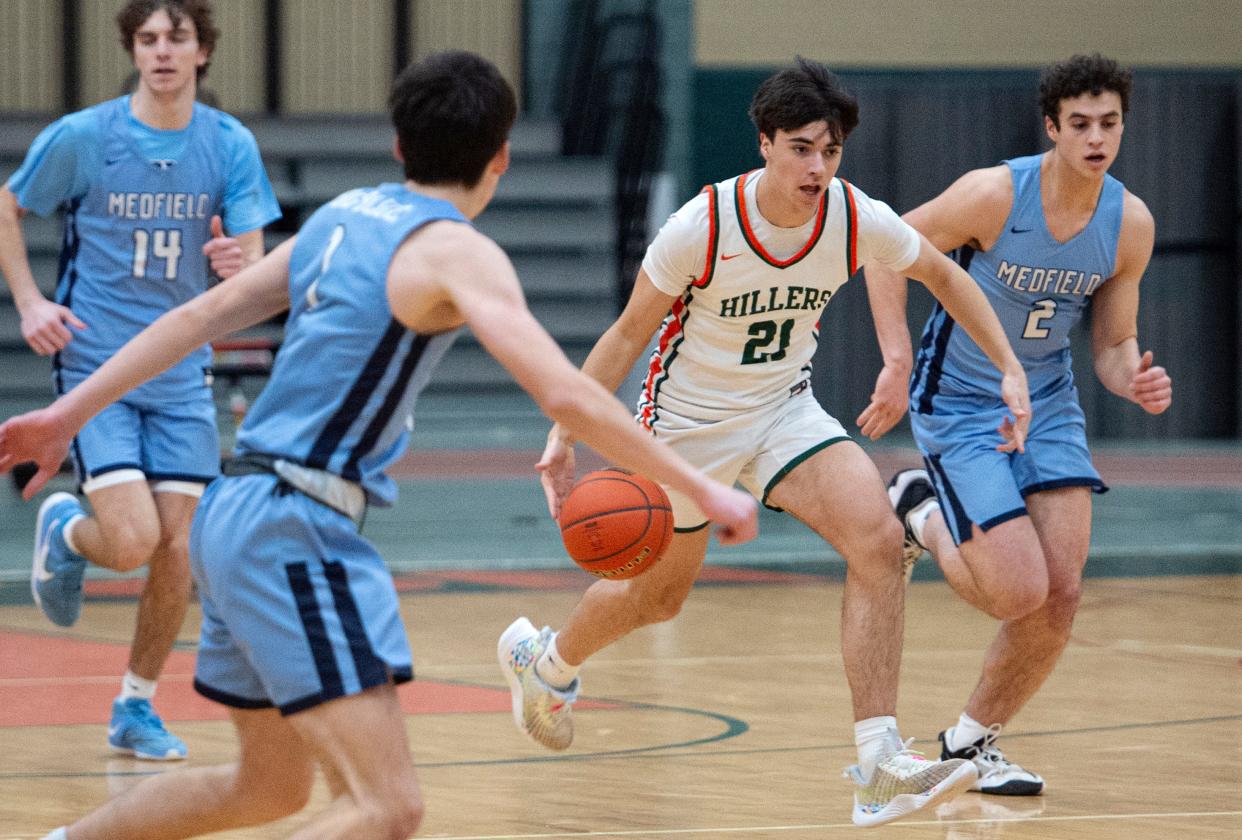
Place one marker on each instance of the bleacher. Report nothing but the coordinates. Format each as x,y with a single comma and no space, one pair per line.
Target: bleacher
553,215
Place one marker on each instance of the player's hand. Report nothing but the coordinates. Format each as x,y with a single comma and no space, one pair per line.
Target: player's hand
224,253
735,514
1151,387
888,402
556,469
43,326
1014,427
39,436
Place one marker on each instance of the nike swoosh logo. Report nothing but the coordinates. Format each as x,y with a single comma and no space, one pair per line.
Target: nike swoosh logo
112,730
730,256
40,564
1022,230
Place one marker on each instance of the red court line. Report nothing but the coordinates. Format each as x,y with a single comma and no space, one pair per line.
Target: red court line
1177,469
54,681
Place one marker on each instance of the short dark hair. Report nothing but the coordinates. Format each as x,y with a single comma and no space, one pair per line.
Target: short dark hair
803,94
1081,74
135,14
452,112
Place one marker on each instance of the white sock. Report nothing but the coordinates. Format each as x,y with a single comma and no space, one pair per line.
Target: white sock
917,518
875,738
553,670
61,833
66,532
133,685
966,733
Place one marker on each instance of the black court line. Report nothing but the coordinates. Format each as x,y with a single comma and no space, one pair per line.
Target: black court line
645,752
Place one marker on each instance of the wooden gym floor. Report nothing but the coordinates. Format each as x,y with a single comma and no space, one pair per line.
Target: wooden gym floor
733,721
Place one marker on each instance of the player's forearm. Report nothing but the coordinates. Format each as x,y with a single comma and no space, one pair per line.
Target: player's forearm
256,295
14,263
591,414
969,308
887,294
1115,366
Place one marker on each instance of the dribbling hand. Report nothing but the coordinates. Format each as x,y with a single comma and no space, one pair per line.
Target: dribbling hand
38,436
556,470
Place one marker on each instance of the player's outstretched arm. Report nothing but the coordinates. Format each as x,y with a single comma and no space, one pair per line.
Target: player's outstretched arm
45,324
886,292
1119,363
252,297
461,267
608,363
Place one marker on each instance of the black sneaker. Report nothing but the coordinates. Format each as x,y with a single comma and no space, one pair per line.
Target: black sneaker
997,775
908,491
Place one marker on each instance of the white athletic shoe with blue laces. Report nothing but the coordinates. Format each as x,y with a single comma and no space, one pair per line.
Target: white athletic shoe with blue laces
56,573
138,731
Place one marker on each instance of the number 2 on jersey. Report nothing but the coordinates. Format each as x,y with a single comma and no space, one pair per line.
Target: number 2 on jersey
165,244
764,334
1041,310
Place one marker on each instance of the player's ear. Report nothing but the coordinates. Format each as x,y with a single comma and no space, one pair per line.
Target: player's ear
765,145
396,151
1050,128
500,161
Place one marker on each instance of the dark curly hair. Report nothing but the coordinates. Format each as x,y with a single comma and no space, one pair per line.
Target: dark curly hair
805,93
452,112
136,12
1081,74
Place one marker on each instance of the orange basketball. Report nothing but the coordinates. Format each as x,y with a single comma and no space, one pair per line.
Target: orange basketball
615,524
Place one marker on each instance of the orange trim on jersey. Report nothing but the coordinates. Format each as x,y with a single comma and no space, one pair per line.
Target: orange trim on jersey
713,237
658,369
753,241
851,227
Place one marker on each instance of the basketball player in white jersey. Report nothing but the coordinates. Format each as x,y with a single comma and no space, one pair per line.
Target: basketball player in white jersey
735,282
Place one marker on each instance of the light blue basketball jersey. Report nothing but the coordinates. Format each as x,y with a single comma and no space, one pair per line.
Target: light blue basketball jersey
341,395
1038,288
138,205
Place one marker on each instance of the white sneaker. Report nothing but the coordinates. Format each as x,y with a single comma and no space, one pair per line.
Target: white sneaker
997,774
905,782
910,491
540,711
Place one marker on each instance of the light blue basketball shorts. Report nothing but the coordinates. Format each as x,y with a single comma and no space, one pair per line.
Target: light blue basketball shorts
978,485
174,445
298,608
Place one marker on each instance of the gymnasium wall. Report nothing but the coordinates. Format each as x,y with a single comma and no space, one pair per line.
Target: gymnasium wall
333,57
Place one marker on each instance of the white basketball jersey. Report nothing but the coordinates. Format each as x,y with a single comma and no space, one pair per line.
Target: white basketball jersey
746,323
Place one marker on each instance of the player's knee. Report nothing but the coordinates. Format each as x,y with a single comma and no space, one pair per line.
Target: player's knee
1017,601
397,813
1062,605
131,546
664,604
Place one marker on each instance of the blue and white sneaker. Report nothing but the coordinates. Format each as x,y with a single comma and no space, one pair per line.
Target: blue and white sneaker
138,731
56,573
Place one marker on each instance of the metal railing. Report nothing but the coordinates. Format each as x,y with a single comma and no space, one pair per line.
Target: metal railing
611,105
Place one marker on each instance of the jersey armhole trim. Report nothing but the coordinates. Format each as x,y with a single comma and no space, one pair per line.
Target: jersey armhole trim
851,228
713,237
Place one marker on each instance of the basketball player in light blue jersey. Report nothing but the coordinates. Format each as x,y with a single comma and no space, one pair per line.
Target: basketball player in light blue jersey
301,635
1043,236
148,183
